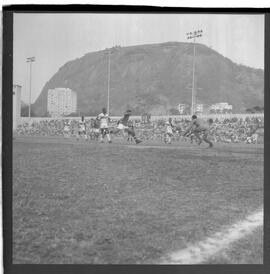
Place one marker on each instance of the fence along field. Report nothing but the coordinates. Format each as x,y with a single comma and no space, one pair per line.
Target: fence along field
153,118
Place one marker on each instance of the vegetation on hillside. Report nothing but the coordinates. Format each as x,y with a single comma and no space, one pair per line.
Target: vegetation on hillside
155,78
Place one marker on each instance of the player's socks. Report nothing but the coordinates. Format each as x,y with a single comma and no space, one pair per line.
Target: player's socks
208,142
137,140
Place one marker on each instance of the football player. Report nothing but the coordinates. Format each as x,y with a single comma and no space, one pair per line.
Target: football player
82,129
130,138
198,126
94,129
168,131
67,129
104,119
122,125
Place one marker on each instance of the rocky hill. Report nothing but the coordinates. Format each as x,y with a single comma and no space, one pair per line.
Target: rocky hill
155,78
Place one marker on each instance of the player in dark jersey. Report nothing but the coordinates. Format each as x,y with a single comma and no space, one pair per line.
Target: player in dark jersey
122,125
198,126
94,129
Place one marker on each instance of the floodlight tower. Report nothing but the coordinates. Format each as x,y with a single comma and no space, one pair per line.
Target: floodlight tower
193,35
30,60
109,79
109,52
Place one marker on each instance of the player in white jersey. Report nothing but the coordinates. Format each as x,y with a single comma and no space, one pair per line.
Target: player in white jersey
82,129
104,119
67,129
168,131
130,138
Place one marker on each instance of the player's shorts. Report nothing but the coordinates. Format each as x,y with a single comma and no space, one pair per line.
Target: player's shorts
255,137
66,129
104,131
105,126
121,126
96,130
204,130
82,131
200,129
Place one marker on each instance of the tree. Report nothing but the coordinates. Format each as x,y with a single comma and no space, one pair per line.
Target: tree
257,108
174,111
47,114
248,110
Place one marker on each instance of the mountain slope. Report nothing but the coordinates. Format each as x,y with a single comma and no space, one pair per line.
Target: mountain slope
155,78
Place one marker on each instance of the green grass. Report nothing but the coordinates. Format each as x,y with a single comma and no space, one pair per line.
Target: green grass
86,203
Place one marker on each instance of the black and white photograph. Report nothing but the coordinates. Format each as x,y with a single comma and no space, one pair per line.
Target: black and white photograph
138,138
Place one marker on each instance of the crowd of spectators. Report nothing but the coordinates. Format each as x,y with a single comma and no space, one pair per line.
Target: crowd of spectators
228,130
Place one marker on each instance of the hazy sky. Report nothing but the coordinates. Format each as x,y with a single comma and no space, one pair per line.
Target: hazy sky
55,39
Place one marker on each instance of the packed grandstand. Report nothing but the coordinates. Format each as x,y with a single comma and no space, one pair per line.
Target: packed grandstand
228,129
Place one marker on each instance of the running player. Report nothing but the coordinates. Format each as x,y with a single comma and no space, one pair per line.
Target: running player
122,125
130,138
168,132
103,117
198,126
82,129
94,132
94,129
67,129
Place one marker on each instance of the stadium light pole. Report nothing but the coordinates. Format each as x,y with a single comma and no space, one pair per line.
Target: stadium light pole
193,35
109,79
109,52
30,60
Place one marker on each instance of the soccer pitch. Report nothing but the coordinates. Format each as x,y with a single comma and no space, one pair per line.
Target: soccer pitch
90,203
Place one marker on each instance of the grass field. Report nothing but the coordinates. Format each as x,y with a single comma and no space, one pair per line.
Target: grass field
87,203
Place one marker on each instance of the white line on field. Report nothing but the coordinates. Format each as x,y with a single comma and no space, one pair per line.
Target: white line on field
200,252
165,147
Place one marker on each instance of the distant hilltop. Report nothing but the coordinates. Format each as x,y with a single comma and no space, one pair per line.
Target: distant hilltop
155,79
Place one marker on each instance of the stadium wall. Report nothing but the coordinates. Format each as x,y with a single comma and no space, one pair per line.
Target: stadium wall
153,118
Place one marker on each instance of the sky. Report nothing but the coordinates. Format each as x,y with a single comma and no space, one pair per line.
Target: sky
55,39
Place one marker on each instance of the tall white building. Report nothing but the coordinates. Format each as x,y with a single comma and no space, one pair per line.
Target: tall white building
182,108
61,101
221,108
16,105
199,108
